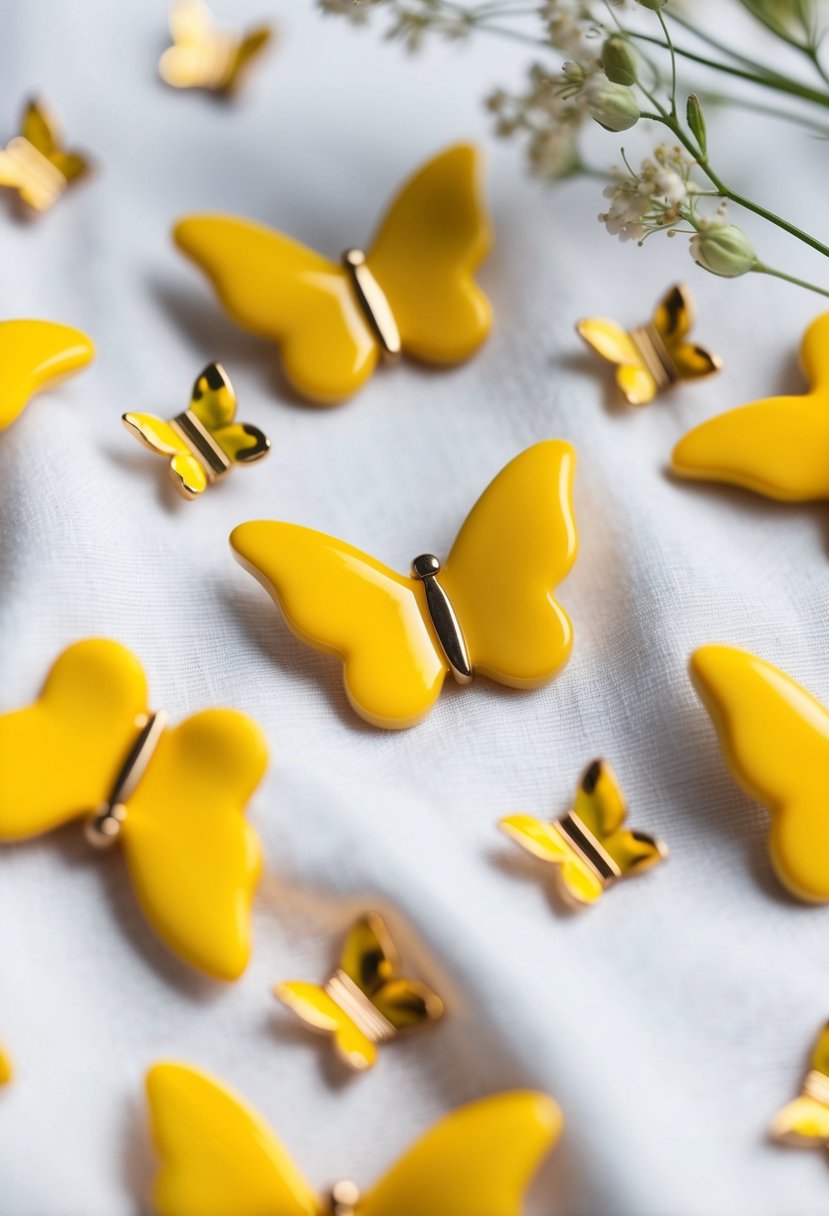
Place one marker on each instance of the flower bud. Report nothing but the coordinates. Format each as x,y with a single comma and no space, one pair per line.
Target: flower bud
619,60
723,249
613,106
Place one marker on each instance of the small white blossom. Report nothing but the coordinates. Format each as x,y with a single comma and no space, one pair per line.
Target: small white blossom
659,197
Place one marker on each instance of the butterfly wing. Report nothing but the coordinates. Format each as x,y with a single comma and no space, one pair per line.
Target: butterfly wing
343,602
478,1161
432,239
186,471
775,737
213,402
191,27
218,1157
600,804
193,859
6,1067
803,1123
322,1013
34,354
250,48
371,960
517,543
62,754
284,291
539,837
615,345
673,320
40,128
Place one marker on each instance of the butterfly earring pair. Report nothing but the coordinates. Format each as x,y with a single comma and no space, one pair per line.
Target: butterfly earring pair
35,164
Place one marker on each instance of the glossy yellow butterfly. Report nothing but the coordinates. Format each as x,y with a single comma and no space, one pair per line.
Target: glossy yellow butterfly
204,442
489,610
653,356
203,57
775,737
412,291
174,797
779,446
34,354
804,1123
220,1158
588,846
366,1001
34,163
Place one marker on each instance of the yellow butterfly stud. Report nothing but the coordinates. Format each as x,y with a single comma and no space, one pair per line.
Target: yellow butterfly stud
203,57
588,846
778,446
35,164
804,1123
367,1000
173,797
412,291
654,356
775,737
488,610
218,1155
34,354
204,443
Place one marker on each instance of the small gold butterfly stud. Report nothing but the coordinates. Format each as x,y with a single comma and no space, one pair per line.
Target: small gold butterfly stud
654,356
367,1000
804,1123
35,164
202,56
588,845
204,442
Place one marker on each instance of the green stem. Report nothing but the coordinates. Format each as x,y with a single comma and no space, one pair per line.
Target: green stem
673,60
760,268
747,103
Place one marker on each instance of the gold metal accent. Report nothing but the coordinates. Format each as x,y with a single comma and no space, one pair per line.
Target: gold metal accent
354,1002
816,1086
44,183
444,618
343,1199
575,833
372,299
103,828
202,445
655,354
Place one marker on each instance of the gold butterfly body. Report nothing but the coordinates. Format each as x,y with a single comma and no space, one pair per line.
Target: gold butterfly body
654,356
589,846
204,57
366,1001
204,442
35,164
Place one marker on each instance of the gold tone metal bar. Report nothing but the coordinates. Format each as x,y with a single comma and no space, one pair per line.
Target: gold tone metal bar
372,299
444,618
103,828
354,1002
577,834
42,181
202,444
655,354
816,1086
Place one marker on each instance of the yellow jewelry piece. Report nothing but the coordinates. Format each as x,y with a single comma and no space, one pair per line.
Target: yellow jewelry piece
588,846
654,356
412,291
804,1123
218,1155
367,1000
489,609
174,797
203,443
35,164
34,354
202,56
775,737
779,446
6,1067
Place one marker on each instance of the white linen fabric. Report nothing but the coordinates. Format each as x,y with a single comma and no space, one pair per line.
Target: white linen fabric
671,1021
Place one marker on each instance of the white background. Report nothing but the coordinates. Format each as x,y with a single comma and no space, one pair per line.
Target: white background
671,1021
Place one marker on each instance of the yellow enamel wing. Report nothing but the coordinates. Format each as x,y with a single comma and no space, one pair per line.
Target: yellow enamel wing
489,610
34,354
653,356
413,291
366,1001
6,1067
203,443
220,1158
804,1123
779,446
35,164
202,56
174,797
588,846
775,737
